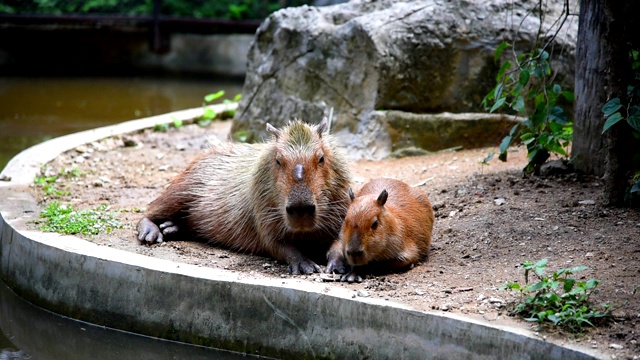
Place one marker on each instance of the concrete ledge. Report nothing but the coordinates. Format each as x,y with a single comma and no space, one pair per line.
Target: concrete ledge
273,317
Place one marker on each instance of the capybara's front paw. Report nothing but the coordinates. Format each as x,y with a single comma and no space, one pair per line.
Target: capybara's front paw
149,232
336,265
304,266
351,277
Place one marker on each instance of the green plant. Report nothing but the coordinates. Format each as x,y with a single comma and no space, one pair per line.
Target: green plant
528,90
46,183
65,219
615,111
209,113
558,299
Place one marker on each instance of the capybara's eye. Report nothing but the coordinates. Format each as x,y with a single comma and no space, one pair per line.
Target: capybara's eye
321,160
278,161
375,224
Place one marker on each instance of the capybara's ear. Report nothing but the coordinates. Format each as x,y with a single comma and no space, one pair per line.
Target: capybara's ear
352,196
273,130
382,199
322,126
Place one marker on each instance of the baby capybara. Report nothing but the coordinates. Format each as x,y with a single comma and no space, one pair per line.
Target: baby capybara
286,198
388,226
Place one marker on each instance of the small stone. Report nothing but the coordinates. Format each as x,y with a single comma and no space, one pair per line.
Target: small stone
181,147
266,265
494,300
82,149
362,293
419,292
445,307
159,156
616,346
452,213
78,159
164,167
129,142
499,201
587,202
5,178
588,255
97,183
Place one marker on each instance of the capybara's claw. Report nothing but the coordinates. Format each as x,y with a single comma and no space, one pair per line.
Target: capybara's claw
168,228
351,277
336,266
304,266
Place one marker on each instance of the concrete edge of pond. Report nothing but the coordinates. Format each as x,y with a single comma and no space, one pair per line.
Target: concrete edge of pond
285,318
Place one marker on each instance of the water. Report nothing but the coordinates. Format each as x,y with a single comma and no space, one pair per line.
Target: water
28,332
33,110
36,109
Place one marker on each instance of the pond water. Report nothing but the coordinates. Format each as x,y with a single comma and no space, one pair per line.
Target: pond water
36,109
33,110
28,332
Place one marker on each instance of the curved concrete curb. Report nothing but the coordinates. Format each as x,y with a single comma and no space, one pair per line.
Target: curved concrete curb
213,307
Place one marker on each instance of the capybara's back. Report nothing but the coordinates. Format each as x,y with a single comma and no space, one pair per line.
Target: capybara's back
286,198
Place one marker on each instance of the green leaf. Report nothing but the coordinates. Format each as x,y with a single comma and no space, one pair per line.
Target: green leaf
568,95
209,114
498,104
578,268
611,107
634,121
211,97
568,284
518,105
237,97
557,89
612,120
504,145
499,50
590,284
524,77
506,66
527,138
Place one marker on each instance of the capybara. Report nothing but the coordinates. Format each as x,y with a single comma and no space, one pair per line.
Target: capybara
388,226
286,198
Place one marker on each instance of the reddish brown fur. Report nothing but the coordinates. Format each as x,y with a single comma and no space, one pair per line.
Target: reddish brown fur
286,198
402,235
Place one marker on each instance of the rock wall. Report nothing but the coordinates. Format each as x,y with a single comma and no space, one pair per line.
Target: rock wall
362,57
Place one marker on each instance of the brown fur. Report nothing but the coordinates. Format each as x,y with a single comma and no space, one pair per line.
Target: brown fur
286,198
388,224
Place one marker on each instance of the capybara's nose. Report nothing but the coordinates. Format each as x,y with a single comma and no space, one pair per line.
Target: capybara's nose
301,210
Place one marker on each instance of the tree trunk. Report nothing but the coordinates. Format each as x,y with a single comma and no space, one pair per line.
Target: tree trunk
606,34
587,147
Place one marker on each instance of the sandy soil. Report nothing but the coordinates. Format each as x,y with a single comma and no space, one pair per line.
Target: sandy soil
489,219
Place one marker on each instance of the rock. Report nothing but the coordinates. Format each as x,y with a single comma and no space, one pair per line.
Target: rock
556,167
5,178
587,202
129,142
499,201
616,346
363,293
362,56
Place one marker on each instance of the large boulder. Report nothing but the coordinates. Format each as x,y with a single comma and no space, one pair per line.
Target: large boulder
362,58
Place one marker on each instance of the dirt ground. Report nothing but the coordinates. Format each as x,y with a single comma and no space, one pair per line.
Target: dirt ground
489,219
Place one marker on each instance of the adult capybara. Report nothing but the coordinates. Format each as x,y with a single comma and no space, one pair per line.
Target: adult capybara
388,225
286,198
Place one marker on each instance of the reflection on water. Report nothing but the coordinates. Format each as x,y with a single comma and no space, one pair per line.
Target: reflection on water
42,335
36,109
33,110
